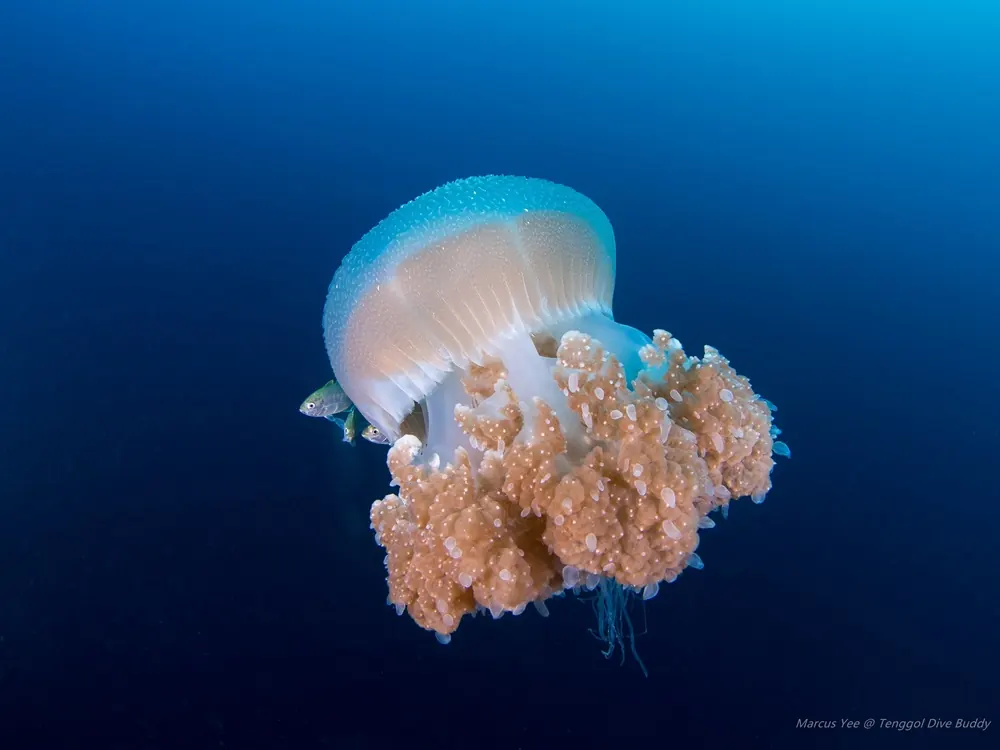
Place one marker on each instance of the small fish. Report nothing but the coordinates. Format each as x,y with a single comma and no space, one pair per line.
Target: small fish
373,434
330,399
348,424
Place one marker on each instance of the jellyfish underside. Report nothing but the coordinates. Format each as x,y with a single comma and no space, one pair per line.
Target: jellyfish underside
609,474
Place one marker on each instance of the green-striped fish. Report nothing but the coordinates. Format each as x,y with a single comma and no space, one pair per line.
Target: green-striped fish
326,401
348,424
373,434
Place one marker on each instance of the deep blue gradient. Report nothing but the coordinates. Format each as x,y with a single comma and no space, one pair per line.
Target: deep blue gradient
185,561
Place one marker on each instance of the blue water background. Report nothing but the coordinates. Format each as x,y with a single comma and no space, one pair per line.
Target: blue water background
185,561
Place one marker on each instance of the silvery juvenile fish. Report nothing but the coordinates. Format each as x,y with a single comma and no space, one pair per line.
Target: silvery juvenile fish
328,400
373,434
347,424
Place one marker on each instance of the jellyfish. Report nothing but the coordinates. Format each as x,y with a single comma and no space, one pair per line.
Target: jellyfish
538,446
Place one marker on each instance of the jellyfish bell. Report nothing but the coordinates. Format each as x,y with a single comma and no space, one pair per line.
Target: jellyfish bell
478,269
536,442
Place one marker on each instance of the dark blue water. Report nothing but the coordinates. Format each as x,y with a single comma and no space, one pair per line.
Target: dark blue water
185,561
